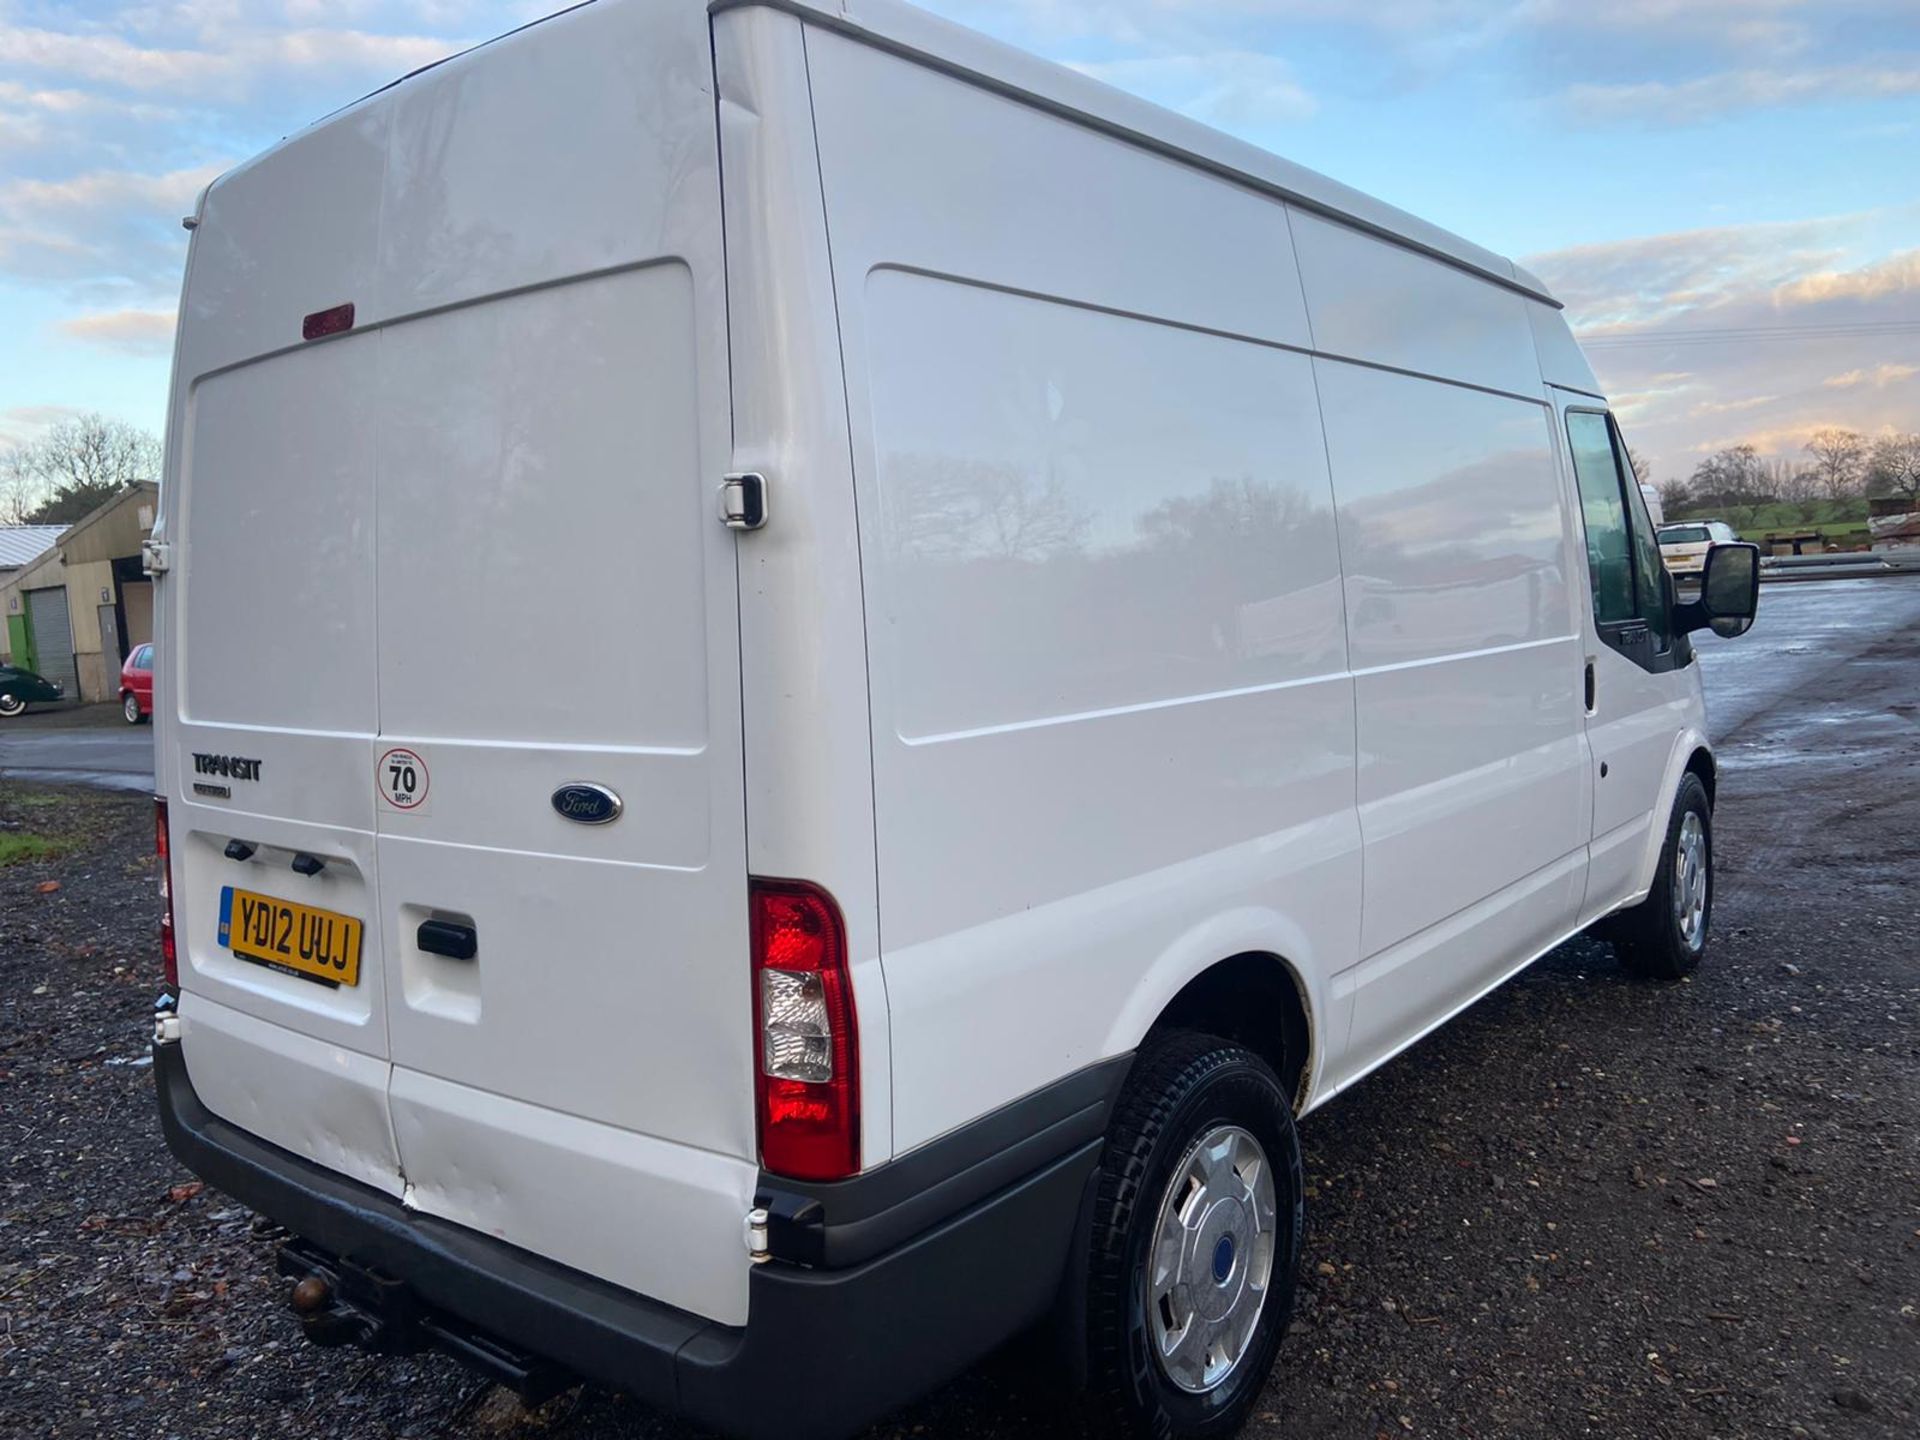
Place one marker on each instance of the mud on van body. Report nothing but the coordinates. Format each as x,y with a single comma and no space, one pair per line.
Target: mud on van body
1076,639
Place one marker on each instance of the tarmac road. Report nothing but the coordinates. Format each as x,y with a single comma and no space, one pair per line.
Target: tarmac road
1588,1207
78,745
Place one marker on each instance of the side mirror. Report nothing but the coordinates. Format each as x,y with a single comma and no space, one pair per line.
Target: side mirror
1729,592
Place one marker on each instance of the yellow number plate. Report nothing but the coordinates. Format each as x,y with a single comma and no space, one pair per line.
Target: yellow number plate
300,939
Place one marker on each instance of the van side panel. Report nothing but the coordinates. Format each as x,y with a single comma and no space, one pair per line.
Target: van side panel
1113,728
1457,546
1467,666
1375,301
1562,362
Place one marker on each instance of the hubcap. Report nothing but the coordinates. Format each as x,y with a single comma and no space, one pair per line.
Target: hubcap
1690,881
1212,1258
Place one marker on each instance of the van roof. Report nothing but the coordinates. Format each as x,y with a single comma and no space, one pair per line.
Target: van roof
894,25
908,30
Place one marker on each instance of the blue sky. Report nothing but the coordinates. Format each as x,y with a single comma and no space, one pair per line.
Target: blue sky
1726,193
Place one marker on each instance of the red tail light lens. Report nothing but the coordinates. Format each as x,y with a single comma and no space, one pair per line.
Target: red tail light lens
809,1060
169,957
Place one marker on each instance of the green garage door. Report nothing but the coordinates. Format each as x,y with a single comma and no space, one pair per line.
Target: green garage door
20,640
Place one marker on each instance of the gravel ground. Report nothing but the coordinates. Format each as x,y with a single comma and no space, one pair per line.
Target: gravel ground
1588,1207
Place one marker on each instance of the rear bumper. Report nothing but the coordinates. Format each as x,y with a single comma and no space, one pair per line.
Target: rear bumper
826,1350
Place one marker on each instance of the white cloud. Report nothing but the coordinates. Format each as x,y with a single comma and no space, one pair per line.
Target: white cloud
1887,279
23,424
1732,407
137,332
1710,97
1233,89
101,229
1777,330
106,58
230,60
1888,374
1658,278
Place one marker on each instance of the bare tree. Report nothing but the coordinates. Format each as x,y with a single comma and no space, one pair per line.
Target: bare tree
19,489
1674,494
1642,467
1798,485
1733,480
1839,461
74,467
1893,468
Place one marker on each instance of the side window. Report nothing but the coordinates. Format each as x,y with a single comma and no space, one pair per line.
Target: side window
1649,571
144,660
1604,511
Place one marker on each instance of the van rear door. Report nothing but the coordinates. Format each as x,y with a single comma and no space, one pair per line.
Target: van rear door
453,579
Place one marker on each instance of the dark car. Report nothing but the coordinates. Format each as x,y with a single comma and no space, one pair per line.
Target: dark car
19,688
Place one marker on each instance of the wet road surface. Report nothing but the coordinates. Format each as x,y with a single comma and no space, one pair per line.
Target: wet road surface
85,745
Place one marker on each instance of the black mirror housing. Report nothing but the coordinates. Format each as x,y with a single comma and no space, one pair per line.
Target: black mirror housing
1729,593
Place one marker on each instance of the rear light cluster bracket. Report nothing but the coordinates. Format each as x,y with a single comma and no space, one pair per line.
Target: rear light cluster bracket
162,849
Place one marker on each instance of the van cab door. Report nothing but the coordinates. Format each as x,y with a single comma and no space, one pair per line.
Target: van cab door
1638,689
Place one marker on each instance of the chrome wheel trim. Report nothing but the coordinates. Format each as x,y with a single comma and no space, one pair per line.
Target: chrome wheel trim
130,708
11,705
1211,1260
1690,881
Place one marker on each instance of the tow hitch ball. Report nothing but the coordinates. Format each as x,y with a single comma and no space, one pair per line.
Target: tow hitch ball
339,1304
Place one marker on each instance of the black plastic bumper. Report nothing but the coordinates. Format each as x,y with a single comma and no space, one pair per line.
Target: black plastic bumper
826,1350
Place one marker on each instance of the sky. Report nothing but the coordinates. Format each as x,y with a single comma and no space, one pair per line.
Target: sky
1725,193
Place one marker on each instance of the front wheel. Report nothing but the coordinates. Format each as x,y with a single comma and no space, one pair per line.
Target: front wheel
130,707
1664,936
1196,1233
11,705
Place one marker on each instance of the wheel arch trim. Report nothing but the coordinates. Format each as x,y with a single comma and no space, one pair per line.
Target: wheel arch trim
1247,933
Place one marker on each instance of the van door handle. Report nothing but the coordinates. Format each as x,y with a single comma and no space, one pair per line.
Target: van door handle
1590,694
444,937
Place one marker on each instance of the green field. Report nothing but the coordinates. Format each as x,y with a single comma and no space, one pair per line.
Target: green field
1838,522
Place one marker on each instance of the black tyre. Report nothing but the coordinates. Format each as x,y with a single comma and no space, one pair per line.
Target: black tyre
11,705
1196,1233
1664,936
130,708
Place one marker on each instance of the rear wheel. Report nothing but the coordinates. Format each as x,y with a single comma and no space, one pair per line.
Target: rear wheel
11,705
130,707
1196,1232
1664,936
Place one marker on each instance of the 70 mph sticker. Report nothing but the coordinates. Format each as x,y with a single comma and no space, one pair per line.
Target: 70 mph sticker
402,780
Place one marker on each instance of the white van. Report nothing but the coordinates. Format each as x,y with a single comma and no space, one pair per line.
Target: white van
814,675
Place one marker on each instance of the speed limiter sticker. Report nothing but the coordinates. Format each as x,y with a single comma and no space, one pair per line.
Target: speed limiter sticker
401,778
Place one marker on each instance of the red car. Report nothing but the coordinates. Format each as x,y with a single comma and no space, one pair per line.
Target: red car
136,685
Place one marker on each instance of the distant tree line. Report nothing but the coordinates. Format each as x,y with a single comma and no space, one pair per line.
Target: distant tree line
72,469
1841,467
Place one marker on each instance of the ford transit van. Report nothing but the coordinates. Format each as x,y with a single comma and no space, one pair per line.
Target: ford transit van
1044,643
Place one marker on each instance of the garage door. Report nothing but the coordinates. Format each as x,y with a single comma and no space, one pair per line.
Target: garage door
53,637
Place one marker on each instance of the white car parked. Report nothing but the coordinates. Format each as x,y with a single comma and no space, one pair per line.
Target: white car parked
1063,641
1684,546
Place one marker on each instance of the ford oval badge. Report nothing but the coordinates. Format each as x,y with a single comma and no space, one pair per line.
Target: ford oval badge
586,804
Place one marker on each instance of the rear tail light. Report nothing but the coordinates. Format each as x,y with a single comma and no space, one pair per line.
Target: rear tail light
169,957
809,1067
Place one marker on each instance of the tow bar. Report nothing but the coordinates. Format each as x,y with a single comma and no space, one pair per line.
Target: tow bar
339,1302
